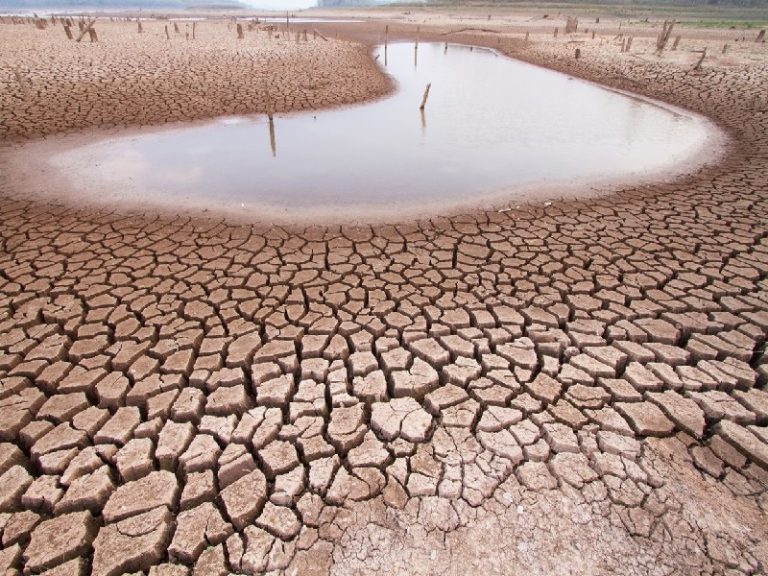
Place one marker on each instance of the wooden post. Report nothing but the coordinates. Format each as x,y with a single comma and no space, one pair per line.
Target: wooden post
760,36
239,31
176,27
556,31
578,53
193,29
139,26
663,37
676,42
92,34
68,31
167,36
703,55
424,98
84,30
725,48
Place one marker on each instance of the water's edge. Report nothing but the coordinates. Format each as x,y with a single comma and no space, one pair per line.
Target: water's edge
22,167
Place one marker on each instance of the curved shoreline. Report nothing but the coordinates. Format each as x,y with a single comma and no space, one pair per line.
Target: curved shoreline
24,170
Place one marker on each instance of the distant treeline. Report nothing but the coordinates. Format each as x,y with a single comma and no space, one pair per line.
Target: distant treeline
32,5
342,3
694,3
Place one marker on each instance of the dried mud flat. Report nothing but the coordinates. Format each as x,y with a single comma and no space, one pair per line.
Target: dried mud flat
569,389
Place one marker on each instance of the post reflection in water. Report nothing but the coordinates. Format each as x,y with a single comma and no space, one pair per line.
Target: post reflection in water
272,140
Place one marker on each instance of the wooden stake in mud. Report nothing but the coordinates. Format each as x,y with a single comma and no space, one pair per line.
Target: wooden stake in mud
167,36
386,35
68,31
92,34
424,98
676,42
84,29
760,36
725,48
556,31
629,43
239,31
578,53
593,34
194,24
175,27
703,55
664,35
139,26
321,36
527,35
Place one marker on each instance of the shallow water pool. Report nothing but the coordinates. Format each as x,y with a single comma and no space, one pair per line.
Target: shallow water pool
493,130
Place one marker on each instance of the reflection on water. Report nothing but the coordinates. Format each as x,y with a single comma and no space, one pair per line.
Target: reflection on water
272,140
490,123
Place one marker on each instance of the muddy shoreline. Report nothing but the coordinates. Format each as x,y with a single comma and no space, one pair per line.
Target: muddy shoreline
26,166
718,157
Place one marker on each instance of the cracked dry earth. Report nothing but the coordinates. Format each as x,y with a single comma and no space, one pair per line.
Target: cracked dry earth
574,389
49,84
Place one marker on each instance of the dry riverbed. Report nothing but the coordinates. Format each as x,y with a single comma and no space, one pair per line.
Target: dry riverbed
575,388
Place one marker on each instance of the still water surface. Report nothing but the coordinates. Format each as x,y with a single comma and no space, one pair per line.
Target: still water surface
491,124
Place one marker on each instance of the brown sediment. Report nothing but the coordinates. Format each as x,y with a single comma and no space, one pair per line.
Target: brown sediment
127,79
573,388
